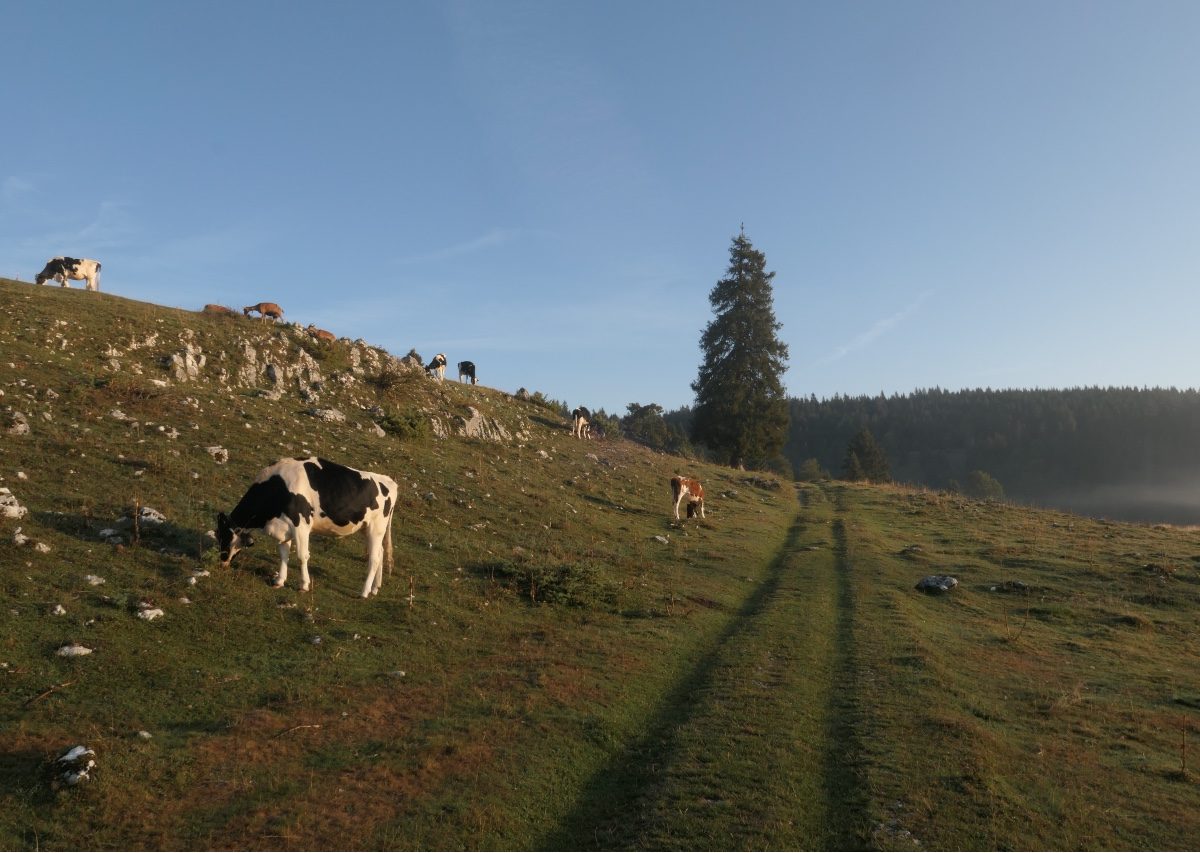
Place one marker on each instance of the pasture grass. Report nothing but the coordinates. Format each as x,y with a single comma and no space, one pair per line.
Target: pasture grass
563,678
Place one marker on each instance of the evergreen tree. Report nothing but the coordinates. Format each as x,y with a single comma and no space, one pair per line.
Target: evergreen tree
741,412
645,424
870,461
981,484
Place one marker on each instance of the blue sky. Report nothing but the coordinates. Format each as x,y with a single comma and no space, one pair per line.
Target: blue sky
957,194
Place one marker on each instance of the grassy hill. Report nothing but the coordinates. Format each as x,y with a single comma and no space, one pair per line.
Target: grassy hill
555,662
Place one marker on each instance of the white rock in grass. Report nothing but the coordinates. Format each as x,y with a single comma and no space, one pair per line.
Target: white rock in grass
74,754
149,515
59,610
10,507
219,454
150,613
74,650
94,580
19,538
41,548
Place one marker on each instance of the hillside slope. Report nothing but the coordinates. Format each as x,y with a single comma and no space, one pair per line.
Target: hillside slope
555,663
554,600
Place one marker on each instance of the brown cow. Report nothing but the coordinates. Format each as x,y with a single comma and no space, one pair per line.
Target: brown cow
265,310
219,309
686,487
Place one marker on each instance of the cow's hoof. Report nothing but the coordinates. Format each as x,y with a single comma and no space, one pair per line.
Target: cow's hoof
277,585
305,588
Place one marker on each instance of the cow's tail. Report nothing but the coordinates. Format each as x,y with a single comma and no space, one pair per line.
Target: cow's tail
387,543
676,486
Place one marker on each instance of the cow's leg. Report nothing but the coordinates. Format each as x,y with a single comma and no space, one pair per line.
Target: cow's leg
374,563
63,281
284,550
702,515
301,537
677,502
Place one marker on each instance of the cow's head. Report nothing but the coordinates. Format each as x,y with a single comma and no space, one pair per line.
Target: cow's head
230,540
42,277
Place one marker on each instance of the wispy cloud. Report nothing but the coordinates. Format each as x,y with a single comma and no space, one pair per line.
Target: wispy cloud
492,239
876,331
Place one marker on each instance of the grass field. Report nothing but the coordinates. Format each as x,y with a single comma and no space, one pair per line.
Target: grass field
575,669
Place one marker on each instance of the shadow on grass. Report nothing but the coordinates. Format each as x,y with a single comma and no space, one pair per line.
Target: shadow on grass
172,538
29,771
611,812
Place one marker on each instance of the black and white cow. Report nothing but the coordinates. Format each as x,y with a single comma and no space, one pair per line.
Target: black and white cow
63,270
437,367
467,369
581,423
297,497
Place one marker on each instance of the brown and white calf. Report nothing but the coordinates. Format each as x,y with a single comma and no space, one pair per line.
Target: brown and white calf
295,498
221,310
690,489
265,310
322,335
63,270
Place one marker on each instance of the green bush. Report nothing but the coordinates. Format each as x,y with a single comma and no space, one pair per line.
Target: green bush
409,425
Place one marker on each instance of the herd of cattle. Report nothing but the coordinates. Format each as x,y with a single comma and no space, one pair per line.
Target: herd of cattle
295,498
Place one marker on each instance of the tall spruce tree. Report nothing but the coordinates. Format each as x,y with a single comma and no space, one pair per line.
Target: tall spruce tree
741,413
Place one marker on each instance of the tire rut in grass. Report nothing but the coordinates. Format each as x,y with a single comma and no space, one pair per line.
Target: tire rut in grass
845,791
635,801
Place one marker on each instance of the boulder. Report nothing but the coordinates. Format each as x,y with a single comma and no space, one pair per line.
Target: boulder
14,423
327,415
937,584
10,507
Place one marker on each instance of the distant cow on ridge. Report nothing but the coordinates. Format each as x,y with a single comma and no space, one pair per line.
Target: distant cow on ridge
64,270
467,369
437,367
581,423
265,310
297,497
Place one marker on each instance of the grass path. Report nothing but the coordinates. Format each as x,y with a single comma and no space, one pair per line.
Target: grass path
752,747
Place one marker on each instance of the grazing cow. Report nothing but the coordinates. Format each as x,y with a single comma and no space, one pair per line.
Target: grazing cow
321,334
297,497
467,369
219,309
63,270
265,310
437,367
581,423
686,487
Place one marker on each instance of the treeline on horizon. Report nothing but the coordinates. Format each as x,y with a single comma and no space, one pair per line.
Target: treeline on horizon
1048,446
1045,446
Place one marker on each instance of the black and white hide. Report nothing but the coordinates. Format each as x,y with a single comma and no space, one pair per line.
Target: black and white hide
437,367
466,369
295,498
581,423
64,270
